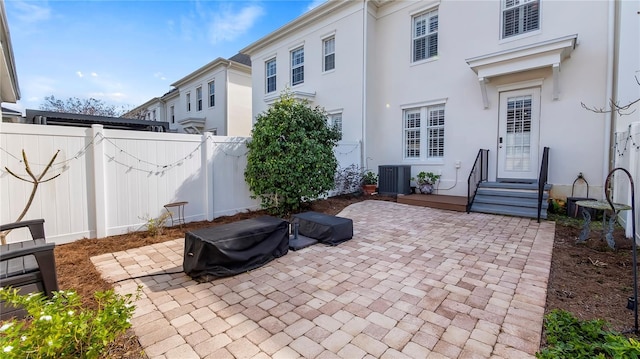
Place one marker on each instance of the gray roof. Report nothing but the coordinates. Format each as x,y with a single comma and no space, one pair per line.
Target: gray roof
241,58
82,120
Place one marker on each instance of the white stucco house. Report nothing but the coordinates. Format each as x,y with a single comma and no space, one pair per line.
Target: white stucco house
9,89
214,98
427,84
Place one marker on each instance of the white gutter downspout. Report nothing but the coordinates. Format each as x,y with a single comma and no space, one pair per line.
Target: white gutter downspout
363,159
608,124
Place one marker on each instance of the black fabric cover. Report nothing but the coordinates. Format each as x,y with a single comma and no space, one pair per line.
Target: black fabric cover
327,229
234,248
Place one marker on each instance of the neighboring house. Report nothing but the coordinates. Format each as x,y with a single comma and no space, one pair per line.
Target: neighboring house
10,115
215,98
430,83
9,90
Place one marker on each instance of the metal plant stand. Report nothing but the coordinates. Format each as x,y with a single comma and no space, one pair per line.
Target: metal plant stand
607,228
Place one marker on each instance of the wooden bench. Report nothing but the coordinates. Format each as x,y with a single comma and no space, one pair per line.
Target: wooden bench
28,265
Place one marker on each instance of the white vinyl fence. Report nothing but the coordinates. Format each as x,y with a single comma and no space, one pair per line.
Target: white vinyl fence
627,156
111,182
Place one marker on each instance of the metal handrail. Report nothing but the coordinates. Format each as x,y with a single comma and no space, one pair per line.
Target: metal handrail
479,173
543,178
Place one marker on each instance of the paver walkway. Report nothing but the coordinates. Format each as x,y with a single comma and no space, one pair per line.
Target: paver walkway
413,282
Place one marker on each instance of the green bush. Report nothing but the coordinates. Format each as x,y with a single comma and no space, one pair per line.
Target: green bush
60,327
569,337
291,159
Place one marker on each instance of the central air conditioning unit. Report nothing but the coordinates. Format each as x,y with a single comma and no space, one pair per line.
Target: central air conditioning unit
394,179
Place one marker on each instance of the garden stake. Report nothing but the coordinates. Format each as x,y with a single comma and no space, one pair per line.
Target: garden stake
633,228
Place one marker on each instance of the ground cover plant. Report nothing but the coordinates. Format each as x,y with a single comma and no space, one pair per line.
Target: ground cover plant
61,327
589,280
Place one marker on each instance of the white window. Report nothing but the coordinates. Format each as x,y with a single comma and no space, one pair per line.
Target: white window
425,36
329,51
335,121
212,94
199,99
154,115
188,102
520,16
172,114
297,66
270,73
423,132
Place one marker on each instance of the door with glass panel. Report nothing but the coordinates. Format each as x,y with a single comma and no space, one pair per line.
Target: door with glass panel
518,134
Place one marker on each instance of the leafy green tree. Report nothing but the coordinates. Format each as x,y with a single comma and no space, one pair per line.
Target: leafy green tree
90,106
291,159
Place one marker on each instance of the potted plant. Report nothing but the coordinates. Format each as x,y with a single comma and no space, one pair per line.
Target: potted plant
425,181
369,182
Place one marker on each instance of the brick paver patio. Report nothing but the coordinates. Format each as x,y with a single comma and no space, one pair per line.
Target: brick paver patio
413,282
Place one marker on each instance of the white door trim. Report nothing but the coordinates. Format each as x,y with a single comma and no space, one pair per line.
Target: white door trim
519,134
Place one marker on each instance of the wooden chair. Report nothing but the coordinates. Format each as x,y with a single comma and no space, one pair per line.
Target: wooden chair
28,265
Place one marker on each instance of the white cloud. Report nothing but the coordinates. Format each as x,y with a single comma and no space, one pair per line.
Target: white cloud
159,75
227,24
80,74
30,12
315,3
108,96
93,74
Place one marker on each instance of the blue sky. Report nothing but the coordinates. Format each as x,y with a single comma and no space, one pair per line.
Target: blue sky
127,52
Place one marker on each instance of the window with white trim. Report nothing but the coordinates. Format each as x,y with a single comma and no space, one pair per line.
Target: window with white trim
212,94
188,102
172,115
519,17
199,98
297,66
270,74
154,115
335,121
329,54
423,132
425,36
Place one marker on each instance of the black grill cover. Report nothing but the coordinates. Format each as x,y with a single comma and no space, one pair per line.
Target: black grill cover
234,248
327,229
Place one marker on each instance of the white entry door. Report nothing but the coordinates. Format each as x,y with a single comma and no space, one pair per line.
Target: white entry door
518,134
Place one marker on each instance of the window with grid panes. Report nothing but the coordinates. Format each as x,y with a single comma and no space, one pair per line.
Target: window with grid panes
424,132
212,94
199,99
435,131
425,36
329,59
412,133
270,73
519,17
297,66
335,120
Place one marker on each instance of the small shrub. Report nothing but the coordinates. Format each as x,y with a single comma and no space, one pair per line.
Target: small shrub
60,327
569,337
369,178
347,180
155,226
557,206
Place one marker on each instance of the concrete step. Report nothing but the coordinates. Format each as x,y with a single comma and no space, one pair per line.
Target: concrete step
508,210
514,186
511,201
